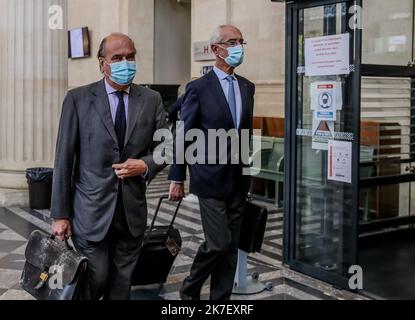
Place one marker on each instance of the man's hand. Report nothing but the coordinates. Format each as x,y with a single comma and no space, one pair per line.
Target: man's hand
176,192
61,228
130,168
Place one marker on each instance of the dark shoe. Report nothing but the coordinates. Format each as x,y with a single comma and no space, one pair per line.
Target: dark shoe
186,297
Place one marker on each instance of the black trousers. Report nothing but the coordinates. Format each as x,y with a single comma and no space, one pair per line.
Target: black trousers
217,257
111,261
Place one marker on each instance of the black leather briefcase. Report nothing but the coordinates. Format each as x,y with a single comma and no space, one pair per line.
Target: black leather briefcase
253,227
53,269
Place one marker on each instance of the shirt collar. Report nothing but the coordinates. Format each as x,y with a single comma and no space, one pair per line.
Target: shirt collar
222,75
111,90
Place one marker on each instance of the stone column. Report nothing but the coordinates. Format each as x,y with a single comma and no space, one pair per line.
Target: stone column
33,82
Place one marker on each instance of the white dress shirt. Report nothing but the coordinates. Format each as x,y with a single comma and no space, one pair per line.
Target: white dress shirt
113,100
225,87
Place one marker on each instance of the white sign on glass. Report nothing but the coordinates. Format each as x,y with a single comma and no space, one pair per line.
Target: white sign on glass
322,132
340,161
328,55
326,99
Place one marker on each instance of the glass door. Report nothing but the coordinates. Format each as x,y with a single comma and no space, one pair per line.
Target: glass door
322,110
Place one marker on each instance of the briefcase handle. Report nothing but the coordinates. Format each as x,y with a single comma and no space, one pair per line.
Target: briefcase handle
164,197
68,246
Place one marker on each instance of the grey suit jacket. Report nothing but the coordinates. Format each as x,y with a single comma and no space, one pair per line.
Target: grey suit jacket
85,186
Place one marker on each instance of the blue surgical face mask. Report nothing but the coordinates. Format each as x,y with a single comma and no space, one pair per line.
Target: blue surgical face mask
123,72
235,56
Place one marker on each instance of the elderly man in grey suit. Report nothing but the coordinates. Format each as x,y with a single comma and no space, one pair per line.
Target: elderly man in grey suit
105,154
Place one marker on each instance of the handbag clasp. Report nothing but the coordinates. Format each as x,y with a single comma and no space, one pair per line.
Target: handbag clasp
44,276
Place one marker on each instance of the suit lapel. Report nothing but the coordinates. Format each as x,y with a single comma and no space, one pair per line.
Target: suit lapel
135,107
243,87
220,96
102,106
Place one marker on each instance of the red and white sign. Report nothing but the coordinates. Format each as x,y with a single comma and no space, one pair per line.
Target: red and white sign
326,56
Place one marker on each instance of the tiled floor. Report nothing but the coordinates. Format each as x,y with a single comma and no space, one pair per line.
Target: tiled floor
16,224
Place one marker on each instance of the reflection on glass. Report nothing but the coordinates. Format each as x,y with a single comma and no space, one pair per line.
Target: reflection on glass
385,202
387,32
386,129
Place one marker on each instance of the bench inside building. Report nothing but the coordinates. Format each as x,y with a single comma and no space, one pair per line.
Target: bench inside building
268,163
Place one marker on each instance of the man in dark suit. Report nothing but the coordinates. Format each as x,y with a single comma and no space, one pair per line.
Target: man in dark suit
104,156
174,110
219,100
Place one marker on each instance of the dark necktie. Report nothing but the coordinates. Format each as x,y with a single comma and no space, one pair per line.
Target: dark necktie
120,120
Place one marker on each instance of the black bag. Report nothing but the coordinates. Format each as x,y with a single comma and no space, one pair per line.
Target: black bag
53,270
253,227
39,181
160,248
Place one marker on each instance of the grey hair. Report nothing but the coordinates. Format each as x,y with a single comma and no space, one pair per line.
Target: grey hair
216,34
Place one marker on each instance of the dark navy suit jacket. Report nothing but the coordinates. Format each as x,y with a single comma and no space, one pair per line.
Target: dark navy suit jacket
174,110
205,107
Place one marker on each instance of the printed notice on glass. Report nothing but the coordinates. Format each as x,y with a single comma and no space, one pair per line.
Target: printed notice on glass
328,55
326,99
323,131
340,161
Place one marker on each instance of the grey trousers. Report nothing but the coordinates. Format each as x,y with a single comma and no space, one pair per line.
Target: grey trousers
111,261
217,256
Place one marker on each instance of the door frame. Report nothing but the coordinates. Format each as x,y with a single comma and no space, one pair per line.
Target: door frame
291,104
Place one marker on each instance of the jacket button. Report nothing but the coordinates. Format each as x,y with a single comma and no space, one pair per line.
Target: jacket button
116,150
115,191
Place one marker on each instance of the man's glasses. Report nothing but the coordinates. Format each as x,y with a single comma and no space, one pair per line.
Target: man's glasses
233,43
